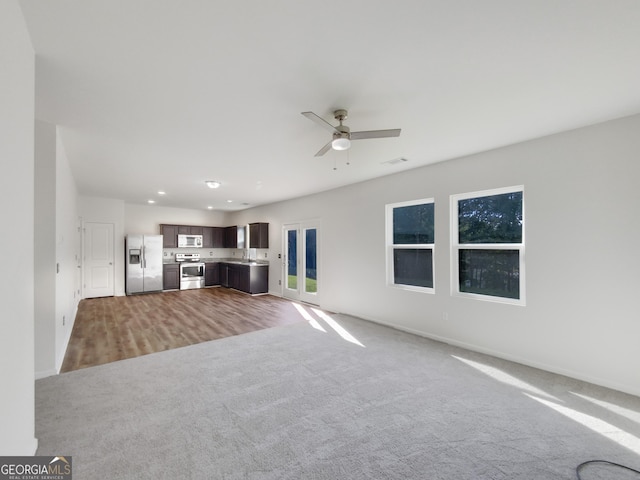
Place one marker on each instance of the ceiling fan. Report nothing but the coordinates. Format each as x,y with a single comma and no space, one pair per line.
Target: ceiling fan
342,135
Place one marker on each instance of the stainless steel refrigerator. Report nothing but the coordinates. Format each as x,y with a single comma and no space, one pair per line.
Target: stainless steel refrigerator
143,263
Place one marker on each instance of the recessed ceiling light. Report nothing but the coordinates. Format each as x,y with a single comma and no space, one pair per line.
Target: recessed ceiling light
212,184
229,201
210,207
151,201
160,192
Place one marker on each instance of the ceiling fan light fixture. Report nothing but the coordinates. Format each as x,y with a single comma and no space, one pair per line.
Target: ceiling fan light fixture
340,143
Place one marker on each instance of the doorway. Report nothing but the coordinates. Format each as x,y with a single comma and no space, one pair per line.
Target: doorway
301,276
98,260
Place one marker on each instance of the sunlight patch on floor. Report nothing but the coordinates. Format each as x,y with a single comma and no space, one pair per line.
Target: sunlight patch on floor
633,415
339,329
323,317
312,321
504,377
595,424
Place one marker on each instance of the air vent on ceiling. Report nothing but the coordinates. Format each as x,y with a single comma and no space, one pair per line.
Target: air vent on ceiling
395,161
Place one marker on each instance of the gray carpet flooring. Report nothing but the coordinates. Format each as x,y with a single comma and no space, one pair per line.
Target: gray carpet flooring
302,402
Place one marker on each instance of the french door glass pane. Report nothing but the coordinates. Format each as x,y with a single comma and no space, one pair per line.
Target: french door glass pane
311,256
292,259
490,272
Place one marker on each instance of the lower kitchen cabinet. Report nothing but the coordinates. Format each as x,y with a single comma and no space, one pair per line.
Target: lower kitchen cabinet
246,278
258,279
211,274
171,276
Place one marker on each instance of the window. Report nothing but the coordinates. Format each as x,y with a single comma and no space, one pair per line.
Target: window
410,241
488,245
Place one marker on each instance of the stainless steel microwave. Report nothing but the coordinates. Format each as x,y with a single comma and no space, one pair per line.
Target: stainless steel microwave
190,241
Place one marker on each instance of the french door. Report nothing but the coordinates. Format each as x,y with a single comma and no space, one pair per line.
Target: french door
301,262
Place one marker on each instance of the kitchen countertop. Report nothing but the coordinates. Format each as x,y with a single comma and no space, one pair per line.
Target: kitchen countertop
237,261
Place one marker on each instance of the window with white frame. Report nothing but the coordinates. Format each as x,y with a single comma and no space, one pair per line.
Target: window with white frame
410,243
488,245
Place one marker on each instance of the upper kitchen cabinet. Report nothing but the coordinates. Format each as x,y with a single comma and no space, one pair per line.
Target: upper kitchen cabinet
213,237
234,237
189,230
231,237
169,236
258,235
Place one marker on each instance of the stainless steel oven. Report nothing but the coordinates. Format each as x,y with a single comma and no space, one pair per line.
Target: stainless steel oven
191,271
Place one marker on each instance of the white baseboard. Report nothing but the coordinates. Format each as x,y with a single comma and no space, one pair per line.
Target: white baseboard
630,389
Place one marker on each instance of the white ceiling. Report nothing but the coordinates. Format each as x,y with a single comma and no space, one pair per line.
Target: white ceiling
163,94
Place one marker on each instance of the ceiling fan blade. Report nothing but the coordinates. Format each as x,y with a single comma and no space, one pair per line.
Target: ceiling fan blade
375,134
324,124
323,150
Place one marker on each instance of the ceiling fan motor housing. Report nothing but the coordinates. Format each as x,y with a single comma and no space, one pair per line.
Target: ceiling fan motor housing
340,115
345,132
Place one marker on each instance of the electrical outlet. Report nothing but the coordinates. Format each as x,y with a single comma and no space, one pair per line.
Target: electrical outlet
63,320
279,282
265,254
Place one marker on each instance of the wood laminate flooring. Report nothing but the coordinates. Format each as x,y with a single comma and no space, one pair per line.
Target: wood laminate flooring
114,328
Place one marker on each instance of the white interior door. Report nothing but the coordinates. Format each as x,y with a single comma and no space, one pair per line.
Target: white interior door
301,262
98,260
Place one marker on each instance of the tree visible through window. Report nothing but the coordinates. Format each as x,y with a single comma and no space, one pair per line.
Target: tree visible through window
489,248
410,241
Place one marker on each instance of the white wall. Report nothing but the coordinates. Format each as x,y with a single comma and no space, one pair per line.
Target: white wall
17,71
148,218
581,201
68,252
45,249
56,252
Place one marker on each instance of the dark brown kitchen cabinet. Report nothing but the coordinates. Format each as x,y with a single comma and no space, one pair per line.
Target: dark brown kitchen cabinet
246,278
218,237
213,237
231,237
258,235
169,236
211,274
207,237
171,276
189,230
235,274
258,279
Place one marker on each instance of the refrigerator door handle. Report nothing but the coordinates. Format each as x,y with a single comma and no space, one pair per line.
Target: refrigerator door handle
143,262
